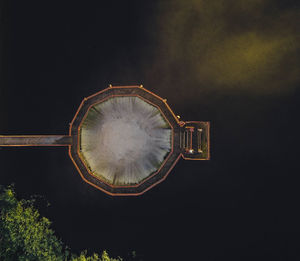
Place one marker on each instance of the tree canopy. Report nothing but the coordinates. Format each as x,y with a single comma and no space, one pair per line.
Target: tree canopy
26,235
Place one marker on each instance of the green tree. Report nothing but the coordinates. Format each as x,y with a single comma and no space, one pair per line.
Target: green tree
25,235
95,257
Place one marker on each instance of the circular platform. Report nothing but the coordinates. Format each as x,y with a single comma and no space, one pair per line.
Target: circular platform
125,140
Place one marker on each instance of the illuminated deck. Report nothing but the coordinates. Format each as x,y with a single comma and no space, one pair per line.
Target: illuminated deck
189,140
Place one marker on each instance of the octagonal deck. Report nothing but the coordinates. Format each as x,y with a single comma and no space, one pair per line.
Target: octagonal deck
153,179
124,140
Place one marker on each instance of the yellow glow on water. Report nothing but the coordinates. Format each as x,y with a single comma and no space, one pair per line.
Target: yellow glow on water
243,59
251,45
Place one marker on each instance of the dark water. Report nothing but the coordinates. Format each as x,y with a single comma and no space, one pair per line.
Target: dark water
240,205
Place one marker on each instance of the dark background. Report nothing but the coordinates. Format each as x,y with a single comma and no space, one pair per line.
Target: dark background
240,205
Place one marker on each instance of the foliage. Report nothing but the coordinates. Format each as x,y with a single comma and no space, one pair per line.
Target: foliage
25,235
95,257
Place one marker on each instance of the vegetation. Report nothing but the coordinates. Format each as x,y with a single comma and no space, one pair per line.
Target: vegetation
25,235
